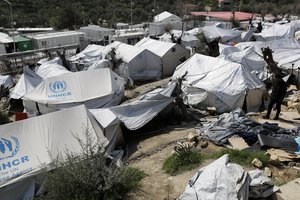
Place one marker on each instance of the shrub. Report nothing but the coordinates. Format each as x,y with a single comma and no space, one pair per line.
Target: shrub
182,161
90,175
243,157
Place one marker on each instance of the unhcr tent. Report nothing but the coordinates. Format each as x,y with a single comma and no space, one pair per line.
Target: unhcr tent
95,89
219,83
224,35
47,136
170,53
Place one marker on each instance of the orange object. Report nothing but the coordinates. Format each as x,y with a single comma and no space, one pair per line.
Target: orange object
21,116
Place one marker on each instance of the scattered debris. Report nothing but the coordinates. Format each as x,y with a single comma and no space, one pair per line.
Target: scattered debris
257,163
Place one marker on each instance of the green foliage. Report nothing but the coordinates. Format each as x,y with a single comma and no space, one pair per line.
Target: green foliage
90,175
182,161
243,157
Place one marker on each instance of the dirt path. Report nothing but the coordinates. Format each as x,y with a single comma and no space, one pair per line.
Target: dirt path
149,157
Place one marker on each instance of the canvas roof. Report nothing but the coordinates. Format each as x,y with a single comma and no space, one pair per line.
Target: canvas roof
226,79
240,16
41,36
28,81
90,52
4,38
48,136
164,15
77,87
213,32
158,47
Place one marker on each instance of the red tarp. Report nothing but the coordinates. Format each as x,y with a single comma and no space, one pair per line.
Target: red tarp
240,16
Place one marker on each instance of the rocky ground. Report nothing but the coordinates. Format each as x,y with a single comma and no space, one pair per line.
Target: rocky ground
148,152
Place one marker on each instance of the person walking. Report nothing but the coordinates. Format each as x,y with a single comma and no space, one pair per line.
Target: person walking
279,88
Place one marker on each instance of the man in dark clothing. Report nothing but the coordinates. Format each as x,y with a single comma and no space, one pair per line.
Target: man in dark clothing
259,28
279,88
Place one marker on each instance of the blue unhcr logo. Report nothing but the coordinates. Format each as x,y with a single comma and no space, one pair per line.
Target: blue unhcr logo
58,86
9,147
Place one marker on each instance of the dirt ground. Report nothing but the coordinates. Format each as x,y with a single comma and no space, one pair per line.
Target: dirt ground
148,152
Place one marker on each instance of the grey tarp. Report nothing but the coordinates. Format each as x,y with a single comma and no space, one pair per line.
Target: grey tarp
220,180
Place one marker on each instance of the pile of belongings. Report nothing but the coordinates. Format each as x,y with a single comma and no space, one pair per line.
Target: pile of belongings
236,124
224,180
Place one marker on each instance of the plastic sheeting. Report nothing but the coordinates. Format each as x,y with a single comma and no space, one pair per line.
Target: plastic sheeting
28,81
48,136
6,80
280,31
225,35
219,180
228,81
260,186
138,113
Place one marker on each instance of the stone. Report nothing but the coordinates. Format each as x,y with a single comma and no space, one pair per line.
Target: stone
274,160
257,163
192,137
203,144
267,172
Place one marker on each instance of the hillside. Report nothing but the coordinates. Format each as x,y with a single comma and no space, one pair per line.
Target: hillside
68,14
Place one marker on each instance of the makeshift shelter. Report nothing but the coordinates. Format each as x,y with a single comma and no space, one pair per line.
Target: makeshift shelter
48,136
7,81
187,40
222,35
95,89
280,31
166,17
28,81
6,43
285,52
216,82
137,63
51,68
171,54
91,52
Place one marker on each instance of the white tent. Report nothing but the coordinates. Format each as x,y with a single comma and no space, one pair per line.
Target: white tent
28,81
285,52
6,80
4,38
167,17
220,83
188,40
95,89
91,52
170,53
140,63
280,31
51,68
225,35
48,136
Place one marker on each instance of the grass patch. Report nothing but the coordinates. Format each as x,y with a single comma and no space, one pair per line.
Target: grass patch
242,157
182,161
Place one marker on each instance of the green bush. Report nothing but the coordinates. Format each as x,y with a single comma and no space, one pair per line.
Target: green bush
90,175
182,161
243,157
